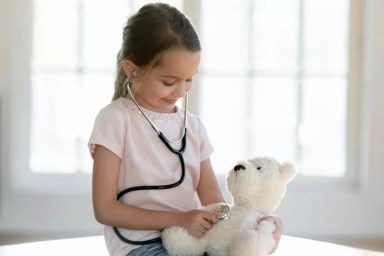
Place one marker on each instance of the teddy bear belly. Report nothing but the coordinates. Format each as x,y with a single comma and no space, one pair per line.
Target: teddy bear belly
221,234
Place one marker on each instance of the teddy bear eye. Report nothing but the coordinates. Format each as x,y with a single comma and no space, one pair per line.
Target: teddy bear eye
259,168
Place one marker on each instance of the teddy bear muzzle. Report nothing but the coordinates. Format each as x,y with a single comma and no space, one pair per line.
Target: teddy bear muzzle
238,167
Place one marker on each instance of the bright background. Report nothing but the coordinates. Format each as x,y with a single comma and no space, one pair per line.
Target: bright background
299,80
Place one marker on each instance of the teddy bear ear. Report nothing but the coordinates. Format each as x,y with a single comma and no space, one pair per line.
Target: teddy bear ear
288,171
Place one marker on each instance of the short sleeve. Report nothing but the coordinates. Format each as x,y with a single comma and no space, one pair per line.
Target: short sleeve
206,148
109,131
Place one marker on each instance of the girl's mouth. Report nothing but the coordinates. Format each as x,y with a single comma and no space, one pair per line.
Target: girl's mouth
172,102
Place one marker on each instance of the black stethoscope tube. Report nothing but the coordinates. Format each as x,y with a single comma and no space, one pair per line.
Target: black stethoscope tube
179,153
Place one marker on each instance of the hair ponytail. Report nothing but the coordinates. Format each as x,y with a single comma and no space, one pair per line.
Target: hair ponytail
121,79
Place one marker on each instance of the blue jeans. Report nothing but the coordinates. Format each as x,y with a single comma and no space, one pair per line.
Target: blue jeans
154,249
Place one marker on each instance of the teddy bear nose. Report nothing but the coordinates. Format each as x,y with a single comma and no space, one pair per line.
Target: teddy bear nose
239,167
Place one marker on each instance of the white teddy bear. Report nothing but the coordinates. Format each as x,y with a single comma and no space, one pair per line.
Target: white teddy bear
257,187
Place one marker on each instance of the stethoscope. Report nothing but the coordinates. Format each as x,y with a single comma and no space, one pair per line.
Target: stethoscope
167,142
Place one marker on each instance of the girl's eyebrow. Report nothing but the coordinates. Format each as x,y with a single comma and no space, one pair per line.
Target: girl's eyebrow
169,76
176,77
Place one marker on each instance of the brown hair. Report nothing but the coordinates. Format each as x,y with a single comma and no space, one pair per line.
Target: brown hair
154,29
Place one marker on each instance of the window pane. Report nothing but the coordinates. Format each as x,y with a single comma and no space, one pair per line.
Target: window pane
63,111
55,34
225,35
274,117
101,31
275,35
55,121
322,131
224,105
326,36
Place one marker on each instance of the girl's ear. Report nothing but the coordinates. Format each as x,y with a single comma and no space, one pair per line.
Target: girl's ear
129,67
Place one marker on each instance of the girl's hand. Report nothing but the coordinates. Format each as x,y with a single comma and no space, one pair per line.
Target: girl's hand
277,233
197,222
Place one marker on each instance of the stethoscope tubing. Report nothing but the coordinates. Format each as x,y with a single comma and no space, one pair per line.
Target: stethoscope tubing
179,153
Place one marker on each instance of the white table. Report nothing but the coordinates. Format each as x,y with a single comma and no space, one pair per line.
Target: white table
289,246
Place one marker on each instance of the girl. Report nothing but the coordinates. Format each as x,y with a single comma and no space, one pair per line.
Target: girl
159,57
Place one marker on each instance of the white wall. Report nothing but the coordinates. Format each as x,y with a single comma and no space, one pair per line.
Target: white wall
310,209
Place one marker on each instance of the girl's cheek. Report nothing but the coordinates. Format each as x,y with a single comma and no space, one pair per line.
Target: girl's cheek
188,87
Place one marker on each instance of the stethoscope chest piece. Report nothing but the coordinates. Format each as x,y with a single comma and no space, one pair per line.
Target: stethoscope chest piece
222,212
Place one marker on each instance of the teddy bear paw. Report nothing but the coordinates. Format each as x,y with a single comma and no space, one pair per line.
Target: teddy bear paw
266,227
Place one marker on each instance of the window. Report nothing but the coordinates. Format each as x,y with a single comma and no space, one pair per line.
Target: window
75,44
274,80
271,66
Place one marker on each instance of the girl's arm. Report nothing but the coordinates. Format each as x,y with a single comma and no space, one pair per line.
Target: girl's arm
208,189
111,212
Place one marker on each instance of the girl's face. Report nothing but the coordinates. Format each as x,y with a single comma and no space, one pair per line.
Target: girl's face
168,81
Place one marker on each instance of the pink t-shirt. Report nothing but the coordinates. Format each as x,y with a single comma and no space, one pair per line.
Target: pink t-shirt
145,160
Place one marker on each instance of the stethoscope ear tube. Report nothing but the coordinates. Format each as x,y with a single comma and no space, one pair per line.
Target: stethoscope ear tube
183,144
179,153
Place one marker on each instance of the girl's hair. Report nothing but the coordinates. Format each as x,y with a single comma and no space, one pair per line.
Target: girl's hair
154,29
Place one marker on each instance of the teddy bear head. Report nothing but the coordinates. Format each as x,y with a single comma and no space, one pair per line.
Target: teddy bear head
259,183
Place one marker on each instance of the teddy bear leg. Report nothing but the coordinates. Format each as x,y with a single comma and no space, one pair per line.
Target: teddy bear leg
178,242
258,242
244,245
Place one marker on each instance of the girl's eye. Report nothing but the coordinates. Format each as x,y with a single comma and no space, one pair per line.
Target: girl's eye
169,83
190,80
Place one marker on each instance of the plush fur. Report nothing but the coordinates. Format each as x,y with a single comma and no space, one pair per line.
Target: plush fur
257,187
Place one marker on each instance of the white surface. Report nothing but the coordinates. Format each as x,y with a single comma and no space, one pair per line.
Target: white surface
95,246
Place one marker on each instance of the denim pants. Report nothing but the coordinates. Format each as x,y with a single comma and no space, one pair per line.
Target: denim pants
154,249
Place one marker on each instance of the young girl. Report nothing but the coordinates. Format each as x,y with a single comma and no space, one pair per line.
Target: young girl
134,137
